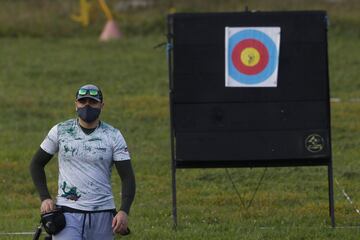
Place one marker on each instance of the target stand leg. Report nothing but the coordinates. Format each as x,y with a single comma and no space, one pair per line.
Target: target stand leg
331,194
174,209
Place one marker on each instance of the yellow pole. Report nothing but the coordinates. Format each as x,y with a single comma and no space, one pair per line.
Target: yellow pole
84,16
105,9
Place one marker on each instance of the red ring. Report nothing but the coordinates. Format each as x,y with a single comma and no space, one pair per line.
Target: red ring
250,70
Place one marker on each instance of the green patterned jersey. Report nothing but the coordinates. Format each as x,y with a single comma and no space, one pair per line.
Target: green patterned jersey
85,163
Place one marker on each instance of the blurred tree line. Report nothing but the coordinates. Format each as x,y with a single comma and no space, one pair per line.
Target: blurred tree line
52,18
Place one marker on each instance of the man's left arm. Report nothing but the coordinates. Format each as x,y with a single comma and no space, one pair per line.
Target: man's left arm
128,187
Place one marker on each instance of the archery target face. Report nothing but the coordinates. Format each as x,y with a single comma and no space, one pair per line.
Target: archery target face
251,56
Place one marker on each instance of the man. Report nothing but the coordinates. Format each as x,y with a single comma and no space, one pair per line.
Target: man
87,148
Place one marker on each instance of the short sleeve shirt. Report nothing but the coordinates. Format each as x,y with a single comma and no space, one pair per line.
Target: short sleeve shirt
85,163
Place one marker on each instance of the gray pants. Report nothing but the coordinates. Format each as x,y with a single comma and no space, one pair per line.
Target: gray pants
87,226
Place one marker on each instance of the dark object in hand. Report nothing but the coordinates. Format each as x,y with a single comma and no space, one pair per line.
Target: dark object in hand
126,232
53,222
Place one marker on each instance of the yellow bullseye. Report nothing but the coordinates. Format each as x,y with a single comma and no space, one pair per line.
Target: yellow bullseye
250,56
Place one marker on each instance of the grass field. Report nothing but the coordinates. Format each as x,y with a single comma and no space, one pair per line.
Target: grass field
38,77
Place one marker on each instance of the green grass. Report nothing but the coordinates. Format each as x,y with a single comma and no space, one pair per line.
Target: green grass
38,77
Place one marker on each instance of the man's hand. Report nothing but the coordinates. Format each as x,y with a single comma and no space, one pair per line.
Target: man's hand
47,206
120,223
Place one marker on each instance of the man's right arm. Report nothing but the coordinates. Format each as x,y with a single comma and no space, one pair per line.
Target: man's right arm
37,171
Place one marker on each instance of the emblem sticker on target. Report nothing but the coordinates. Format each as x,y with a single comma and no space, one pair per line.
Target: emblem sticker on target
251,56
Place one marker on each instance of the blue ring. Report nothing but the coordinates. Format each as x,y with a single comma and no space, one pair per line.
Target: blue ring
268,70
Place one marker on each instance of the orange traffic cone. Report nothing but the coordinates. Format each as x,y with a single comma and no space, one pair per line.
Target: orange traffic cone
110,32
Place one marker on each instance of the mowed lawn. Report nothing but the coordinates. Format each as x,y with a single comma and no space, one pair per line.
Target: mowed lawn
38,79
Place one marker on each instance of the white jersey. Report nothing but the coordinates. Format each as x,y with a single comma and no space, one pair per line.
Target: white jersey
85,163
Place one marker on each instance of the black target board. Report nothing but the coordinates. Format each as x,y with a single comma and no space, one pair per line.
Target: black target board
249,89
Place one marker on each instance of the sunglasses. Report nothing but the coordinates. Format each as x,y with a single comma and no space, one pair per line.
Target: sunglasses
91,92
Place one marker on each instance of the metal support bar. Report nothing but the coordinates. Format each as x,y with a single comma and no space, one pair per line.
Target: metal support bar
172,131
331,194
174,209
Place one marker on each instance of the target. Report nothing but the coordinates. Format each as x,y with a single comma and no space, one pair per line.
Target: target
251,56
